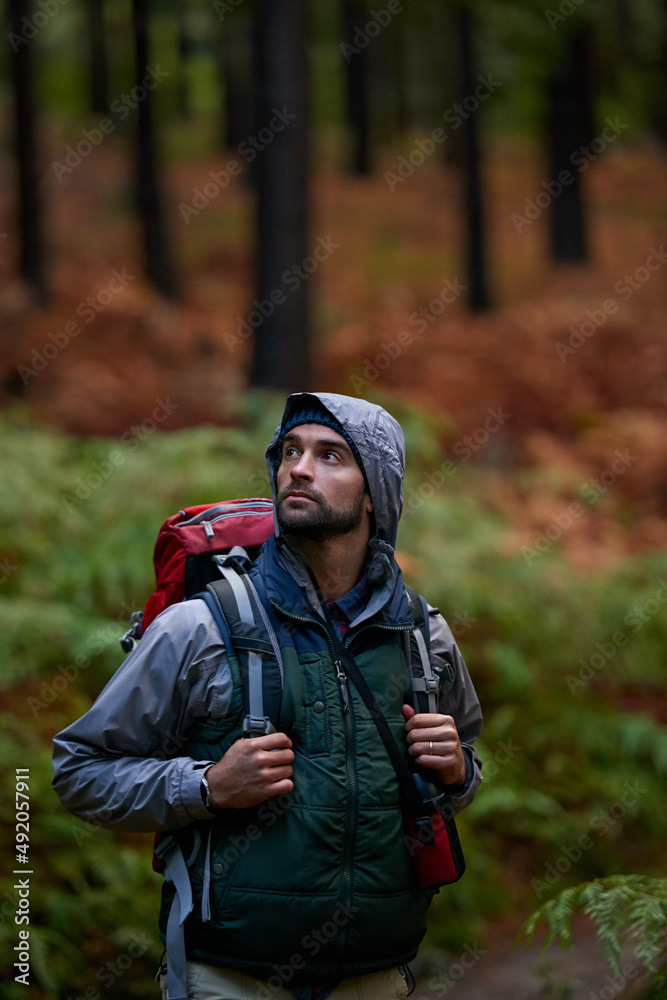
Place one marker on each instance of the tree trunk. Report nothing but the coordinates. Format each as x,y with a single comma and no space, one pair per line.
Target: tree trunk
184,45
400,81
236,71
570,122
452,73
659,111
32,263
282,335
149,195
355,15
98,69
478,295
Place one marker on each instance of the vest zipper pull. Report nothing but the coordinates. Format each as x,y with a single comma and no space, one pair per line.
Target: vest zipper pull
342,683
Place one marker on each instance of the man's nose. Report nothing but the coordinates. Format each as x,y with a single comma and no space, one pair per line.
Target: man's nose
303,469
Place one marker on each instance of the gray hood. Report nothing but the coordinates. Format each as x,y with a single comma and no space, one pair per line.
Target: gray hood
380,442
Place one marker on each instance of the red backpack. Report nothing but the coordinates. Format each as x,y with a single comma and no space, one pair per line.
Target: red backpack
187,545
185,563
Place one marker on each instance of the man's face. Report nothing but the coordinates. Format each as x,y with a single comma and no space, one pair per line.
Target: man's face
321,491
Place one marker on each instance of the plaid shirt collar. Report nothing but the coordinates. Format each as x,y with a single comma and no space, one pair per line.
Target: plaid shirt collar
349,606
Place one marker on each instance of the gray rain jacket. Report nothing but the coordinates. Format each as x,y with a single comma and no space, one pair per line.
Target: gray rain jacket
120,765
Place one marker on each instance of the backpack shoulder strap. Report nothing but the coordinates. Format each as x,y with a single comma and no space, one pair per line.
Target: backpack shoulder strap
245,628
425,684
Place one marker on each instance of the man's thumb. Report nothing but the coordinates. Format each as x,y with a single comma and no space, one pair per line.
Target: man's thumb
408,712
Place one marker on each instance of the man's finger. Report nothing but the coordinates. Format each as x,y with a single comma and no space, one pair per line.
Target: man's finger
274,741
441,735
276,773
427,720
275,758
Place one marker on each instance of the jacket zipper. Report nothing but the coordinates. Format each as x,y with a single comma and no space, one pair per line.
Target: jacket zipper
352,635
338,666
221,511
342,684
350,768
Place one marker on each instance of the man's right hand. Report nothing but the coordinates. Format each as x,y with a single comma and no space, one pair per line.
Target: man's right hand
251,772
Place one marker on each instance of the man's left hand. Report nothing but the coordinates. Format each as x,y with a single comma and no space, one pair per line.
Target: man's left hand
434,742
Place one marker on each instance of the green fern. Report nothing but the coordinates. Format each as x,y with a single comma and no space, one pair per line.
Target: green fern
624,908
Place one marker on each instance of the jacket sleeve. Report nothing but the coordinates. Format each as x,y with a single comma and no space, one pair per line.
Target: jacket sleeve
458,698
119,764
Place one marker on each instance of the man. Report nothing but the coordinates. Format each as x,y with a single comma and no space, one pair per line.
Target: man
287,858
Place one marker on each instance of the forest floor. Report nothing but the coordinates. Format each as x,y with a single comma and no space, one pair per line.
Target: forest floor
572,361
496,969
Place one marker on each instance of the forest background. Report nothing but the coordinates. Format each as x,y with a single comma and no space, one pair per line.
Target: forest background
453,209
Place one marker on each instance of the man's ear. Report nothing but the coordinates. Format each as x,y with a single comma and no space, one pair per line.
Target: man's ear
369,505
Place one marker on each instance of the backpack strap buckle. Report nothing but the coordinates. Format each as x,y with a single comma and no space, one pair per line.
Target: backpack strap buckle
130,638
426,685
253,726
243,620
429,682
237,558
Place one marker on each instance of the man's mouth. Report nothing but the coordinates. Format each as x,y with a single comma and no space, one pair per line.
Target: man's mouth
296,495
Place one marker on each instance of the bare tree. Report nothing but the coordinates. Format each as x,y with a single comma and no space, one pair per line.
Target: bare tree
355,13
97,55
149,194
282,334
236,72
32,258
478,297
570,125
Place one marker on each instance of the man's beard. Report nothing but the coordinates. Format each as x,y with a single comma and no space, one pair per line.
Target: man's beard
319,522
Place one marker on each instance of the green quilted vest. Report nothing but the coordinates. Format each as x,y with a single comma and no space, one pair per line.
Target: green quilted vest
320,879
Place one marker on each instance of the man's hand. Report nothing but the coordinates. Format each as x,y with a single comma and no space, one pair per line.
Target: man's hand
252,771
434,742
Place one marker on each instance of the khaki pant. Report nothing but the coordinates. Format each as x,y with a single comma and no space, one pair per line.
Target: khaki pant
208,982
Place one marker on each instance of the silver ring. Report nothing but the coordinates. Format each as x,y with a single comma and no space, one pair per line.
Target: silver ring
430,747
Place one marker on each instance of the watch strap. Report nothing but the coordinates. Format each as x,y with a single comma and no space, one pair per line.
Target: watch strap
206,793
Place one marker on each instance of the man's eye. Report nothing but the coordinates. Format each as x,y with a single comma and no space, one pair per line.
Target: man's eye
331,454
